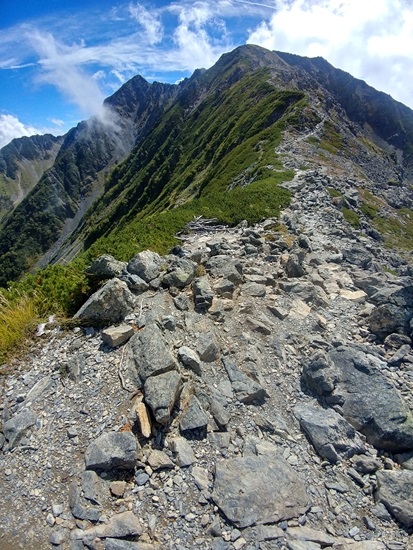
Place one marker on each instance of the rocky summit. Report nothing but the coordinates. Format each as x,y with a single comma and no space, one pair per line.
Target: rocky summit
250,390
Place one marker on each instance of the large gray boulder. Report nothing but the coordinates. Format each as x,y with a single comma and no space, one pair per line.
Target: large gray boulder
150,353
112,450
108,305
105,267
226,267
260,488
332,436
161,393
147,265
395,491
351,377
180,273
15,428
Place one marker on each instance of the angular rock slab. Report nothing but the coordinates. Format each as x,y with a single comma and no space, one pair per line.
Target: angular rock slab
115,336
15,428
121,525
194,417
395,491
245,389
150,353
202,294
227,267
207,347
351,378
112,450
258,489
190,359
161,394
110,304
184,455
332,436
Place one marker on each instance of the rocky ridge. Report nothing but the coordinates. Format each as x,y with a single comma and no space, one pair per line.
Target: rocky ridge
251,390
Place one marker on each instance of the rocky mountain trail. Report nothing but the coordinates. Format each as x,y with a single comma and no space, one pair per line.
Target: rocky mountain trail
250,390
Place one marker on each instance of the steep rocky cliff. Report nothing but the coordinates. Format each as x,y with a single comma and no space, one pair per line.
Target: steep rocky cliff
22,163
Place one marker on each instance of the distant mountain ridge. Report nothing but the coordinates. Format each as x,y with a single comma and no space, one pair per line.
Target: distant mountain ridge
157,146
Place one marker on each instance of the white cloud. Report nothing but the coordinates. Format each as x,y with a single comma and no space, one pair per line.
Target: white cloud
60,67
99,75
11,127
197,45
56,121
120,77
152,26
372,40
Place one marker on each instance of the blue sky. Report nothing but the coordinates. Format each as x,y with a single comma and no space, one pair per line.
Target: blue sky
60,58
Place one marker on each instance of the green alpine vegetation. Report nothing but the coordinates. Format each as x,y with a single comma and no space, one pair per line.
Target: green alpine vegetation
165,154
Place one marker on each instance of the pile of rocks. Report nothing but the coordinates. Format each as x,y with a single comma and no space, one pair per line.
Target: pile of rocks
251,390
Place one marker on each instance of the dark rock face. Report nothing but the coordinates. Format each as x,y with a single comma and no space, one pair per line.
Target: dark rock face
112,450
395,491
351,378
332,436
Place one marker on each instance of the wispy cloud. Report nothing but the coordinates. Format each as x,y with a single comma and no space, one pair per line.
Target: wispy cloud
56,121
150,23
60,67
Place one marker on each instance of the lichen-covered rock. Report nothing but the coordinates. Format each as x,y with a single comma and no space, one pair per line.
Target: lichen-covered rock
147,265
180,273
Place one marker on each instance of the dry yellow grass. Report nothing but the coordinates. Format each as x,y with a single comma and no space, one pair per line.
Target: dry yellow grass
16,319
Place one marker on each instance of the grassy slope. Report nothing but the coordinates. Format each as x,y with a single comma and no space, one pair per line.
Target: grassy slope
197,161
192,159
